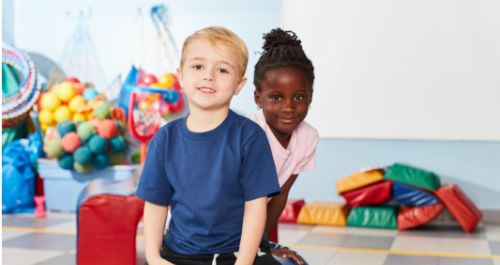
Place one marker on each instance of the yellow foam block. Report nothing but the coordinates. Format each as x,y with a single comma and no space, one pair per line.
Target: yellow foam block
359,180
324,213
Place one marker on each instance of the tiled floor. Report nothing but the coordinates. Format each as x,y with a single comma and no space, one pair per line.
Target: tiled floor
29,241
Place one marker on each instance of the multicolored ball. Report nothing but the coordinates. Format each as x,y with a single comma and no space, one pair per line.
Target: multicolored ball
118,144
97,144
85,130
107,129
65,127
101,161
83,155
53,149
66,161
70,142
82,168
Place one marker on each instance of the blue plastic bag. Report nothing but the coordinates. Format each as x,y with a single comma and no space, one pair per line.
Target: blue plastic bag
18,177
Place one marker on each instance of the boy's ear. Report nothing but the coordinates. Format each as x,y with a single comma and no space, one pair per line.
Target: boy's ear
240,85
179,74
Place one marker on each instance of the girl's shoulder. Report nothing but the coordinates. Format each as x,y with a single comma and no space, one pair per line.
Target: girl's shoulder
305,130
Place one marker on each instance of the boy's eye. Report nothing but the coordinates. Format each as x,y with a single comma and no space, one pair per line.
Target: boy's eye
197,66
223,71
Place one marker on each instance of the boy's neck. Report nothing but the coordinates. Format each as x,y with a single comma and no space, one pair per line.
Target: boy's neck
204,121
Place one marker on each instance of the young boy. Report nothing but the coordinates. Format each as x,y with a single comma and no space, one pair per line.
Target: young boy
214,168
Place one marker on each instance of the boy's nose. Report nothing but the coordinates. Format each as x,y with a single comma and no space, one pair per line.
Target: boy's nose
209,76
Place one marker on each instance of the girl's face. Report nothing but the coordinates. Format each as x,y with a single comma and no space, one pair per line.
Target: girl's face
284,96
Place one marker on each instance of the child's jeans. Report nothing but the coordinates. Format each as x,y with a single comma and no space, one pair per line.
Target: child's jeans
284,261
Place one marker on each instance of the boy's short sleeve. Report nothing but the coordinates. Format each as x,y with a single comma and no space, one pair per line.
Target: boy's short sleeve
153,185
258,177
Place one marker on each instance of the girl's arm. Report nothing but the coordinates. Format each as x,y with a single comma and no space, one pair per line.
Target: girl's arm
254,219
155,217
277,204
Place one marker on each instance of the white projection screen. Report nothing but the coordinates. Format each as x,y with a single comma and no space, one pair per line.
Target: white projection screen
402,69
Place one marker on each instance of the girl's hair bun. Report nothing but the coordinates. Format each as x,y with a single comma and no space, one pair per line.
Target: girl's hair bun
278,37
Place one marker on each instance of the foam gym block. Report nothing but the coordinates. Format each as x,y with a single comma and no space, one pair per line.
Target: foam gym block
291,211
411,217
107,226
369,195
412,196
359,180
323,213
373,216
462,209
413,176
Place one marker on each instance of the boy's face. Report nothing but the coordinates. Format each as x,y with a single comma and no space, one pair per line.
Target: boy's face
210,75
284,96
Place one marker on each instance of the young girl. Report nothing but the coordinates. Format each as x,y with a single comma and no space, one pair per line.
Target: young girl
283,79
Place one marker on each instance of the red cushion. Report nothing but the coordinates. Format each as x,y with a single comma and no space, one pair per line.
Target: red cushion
464,211
107,227
377,193
291,211
410,217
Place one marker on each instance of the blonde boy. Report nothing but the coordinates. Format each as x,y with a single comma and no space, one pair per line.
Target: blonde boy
214,168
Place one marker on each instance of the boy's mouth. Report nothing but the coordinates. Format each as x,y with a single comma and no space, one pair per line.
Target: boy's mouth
206,90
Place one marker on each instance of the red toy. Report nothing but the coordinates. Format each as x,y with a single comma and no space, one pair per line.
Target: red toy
107,227
464,211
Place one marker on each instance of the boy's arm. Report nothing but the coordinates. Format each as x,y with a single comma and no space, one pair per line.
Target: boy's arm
277,204
254,219
155,217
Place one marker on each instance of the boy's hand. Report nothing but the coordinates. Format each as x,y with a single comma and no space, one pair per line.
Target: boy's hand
287,253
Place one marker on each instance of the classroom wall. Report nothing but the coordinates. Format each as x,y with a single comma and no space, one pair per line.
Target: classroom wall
44,27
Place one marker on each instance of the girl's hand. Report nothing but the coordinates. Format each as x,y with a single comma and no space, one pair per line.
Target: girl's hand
287,253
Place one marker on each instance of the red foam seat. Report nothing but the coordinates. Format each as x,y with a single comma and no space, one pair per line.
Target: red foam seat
373,194
107,227
411,217
291,211
462,209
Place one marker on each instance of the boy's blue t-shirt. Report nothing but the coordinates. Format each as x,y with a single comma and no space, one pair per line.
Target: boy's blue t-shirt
206,178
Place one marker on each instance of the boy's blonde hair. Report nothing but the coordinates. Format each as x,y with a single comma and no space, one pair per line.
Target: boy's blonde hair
220,35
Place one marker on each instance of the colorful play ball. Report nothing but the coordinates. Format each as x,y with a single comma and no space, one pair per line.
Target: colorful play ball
49,101
70,142
101,161
102,111
79,117
64,91
73,80
89,94
46,117
66,161
166,80
65,127
85,130
97,144
83,155
79,88
62,113
107,129
82,168
53,149
116,158
76,103
147,79
118,144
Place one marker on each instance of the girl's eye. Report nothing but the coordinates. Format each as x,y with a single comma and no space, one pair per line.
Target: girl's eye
276,98
299,98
